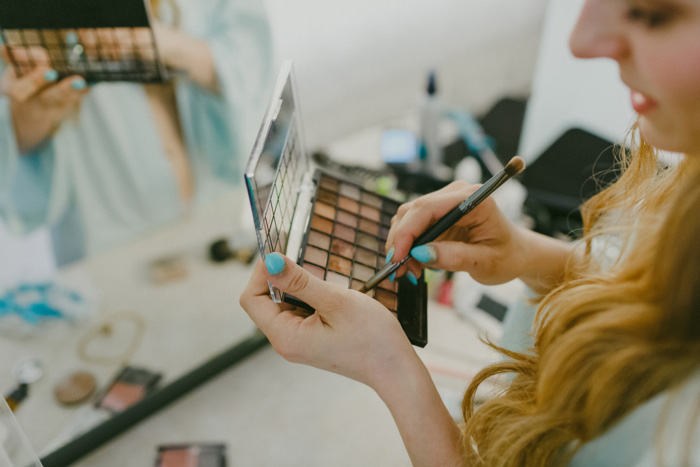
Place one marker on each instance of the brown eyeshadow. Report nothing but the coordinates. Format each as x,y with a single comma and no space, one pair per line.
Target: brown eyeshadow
344,232
346,218
361,272
370,213
388,285
322,209
369,227
365,257
386,219
372,200
367,241
337,279
324,225
387,299
316,256
348,204
338,264
342,248
319,240
315,270
383,233
329,184
327,197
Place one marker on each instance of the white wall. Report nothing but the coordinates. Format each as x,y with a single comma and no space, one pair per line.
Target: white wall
569,92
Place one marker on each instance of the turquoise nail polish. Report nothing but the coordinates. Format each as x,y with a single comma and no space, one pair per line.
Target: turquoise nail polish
424,254
392,277
274,262
412,278
51,75
390,255
71,38
78,84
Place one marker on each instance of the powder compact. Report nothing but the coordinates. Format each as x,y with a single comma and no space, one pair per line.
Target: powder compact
329,224
98,40
130,386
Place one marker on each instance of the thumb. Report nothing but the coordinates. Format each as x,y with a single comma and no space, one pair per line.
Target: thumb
291,278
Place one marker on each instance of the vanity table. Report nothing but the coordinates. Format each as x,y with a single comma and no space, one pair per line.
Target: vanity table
193,328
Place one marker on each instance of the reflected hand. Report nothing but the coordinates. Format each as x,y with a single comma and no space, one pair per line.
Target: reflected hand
483,243
38,102
350,333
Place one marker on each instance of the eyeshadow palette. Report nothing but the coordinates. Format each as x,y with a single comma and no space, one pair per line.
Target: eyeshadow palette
100,40
330,225
130,386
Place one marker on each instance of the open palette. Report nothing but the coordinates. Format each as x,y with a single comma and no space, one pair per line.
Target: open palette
100,40
330,225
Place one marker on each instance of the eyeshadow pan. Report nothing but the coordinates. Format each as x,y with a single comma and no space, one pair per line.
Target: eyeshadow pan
372,200
384,233
344,232
369,227
349,191
361,272
324,225
341,265
327,197
388,285
315,270
346,218
319,240
329,184
370,213
348,204
341,248
387,299
337,279
316,256
322,209
367,241
365,257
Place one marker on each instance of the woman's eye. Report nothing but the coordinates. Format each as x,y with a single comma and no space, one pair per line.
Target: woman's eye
650,18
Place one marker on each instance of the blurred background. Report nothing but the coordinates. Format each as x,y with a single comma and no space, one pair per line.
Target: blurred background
506,85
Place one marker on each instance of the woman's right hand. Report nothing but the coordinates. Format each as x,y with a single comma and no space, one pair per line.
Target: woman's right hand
483,243
38,103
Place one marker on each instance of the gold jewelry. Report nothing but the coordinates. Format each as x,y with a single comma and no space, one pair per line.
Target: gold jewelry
106,329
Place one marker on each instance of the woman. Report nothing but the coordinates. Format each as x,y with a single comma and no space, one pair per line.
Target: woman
102,164
613,378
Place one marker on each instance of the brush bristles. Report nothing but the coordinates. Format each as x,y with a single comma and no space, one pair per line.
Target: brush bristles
514,167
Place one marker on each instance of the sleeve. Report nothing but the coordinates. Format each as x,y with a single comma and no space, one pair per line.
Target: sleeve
26,181
223,126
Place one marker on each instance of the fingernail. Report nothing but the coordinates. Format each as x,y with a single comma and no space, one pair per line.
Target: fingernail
390,255
274,262
71,38
412,278
78,84
424,253
51,75
392,277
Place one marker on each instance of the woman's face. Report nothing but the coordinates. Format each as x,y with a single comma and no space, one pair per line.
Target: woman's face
656,44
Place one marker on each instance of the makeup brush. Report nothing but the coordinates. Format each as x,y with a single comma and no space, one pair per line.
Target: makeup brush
514,167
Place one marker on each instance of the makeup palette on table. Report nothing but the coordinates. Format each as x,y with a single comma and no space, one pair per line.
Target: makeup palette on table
100,40
330,225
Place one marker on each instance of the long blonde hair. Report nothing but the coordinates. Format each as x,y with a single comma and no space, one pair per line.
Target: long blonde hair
608,339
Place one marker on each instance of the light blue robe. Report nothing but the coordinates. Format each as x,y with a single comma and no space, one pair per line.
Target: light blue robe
632,441
105,177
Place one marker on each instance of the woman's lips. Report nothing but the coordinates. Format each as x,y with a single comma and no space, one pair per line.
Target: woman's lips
641,103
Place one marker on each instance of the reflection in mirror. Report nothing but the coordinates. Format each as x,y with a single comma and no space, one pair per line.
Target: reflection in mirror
136,183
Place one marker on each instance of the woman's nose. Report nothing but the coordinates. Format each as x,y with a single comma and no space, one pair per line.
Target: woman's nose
598,33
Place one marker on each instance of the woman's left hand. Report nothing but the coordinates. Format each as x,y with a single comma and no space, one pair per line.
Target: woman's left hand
350,333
